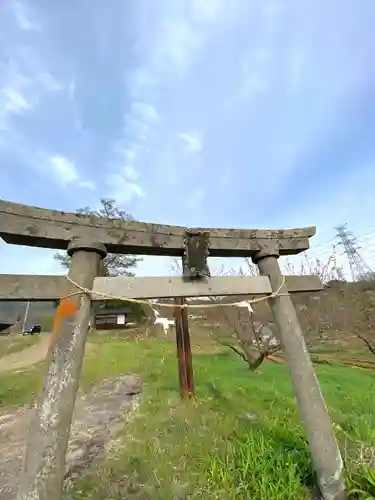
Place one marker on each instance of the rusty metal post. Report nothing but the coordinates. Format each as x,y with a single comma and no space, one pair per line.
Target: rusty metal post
184,356
325,452
44,467
182,380
187,350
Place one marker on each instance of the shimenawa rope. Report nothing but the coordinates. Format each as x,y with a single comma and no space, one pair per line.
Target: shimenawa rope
181,306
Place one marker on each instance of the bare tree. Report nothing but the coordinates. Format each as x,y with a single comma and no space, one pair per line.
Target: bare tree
348,310
251,344
248,339
328,270
363,297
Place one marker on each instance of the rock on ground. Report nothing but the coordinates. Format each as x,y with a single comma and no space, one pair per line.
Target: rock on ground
97,415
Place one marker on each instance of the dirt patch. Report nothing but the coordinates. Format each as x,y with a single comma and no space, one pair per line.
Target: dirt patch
274,358
206,349
97,419
12,344
31,355
359,363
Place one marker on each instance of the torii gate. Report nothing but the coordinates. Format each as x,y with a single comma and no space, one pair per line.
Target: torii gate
87,240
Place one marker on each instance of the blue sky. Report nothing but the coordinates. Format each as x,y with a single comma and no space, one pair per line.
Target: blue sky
195,112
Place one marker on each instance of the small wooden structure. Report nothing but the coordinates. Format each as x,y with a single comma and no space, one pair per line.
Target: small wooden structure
87,240
110,319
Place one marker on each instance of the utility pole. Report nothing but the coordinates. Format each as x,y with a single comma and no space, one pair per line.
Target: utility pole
358,268
25,316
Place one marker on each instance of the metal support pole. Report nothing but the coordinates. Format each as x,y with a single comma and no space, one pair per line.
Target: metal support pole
184,356
325,452
44,468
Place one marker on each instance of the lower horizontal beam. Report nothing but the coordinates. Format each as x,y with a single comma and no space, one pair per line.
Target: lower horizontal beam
47,288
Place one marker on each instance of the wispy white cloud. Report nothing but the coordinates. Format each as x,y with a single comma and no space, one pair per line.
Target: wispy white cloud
208,11
123,189
131,173
24,79
179,34
49,82
252,84
256,66
67,173
166,49
193,141
14,101
180,42
15,97
64,169
138,122
144,111
72,87
88,185
24,16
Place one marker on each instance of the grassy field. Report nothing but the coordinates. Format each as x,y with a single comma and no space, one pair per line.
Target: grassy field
241,438
12,344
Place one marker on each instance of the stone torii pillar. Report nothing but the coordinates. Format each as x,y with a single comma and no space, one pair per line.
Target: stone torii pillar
44,466
325,452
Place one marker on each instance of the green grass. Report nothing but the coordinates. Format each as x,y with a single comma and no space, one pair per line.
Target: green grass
20,387
241,438
10,345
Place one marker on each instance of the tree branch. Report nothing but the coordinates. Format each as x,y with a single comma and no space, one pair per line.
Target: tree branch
368,344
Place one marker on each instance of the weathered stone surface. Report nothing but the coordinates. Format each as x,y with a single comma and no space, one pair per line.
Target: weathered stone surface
96,417
24,225
45,288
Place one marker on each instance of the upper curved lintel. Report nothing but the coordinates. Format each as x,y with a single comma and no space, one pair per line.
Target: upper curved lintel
32,226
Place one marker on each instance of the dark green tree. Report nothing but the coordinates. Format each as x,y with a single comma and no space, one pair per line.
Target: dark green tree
113,264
